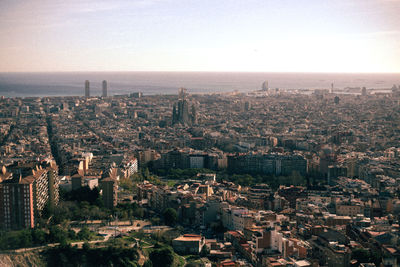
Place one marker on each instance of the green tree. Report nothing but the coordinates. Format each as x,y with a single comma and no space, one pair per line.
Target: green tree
170,216
148,263
146,173
137,211
58,235
126,183
137,177
86,246
205,251
71,234
162,257
38,236
25,238
84,234
194,264
155,221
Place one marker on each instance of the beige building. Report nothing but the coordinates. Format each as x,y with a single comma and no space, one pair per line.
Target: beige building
188,243
349,210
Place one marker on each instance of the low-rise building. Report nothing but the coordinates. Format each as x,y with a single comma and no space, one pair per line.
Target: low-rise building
188,243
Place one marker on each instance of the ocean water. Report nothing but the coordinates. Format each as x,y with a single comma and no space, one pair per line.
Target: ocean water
72,83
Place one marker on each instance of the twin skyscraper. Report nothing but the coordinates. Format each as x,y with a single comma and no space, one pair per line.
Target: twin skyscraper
87,88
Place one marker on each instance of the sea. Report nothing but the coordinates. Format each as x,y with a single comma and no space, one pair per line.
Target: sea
153,83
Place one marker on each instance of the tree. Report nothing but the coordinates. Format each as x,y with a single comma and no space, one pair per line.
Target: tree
38,236
155,221
84,234
205,251
64,211
58,235
137,211
126,183
71,234
180,229
170,216
146,173
194,264
86,246
25,238
10,240
148,263
162,257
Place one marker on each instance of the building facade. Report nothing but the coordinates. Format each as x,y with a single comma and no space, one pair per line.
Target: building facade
109,189
104,87
87,88
23,199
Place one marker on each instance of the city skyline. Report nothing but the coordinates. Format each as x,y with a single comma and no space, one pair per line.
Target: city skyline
164,35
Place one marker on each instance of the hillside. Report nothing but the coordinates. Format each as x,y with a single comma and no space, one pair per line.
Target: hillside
21,259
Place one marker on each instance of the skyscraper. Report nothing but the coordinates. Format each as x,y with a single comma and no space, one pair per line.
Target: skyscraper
87,88
264,86
104,88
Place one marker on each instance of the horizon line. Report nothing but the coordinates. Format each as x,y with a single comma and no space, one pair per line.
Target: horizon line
193,71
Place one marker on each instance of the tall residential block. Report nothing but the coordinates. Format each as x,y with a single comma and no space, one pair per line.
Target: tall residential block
104,88
23,198
87,88
109,187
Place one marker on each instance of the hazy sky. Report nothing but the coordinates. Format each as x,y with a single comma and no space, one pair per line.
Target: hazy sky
200,35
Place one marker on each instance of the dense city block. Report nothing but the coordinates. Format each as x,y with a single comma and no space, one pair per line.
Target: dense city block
265,178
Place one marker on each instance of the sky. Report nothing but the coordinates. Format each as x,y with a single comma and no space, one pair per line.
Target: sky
200,35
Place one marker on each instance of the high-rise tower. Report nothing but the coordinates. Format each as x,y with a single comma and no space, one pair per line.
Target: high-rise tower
364,91
264,86
104,88
87,88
